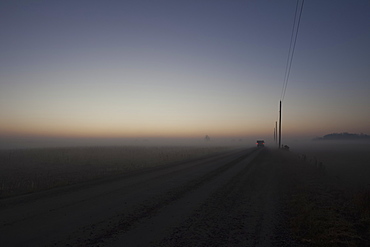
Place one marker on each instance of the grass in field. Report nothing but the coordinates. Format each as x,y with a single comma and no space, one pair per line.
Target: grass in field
325,211
30,170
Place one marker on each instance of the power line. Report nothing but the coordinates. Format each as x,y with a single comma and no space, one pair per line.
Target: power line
288,67
290,49
292,45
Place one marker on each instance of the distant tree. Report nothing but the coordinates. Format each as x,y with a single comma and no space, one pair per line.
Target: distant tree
344,136
207,138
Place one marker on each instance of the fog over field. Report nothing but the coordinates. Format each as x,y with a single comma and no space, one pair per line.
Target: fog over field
163,102
24,142
179,69
348,160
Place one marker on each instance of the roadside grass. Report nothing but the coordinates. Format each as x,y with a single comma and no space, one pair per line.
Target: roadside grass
321,219
30,170
325,211
362,202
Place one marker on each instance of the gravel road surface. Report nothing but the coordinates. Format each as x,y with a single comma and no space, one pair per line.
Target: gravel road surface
229,199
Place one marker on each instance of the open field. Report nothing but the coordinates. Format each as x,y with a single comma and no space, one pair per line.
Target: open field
348,161
185,196
151,207
330,205
30,170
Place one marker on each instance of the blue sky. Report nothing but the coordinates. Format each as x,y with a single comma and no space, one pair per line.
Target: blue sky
182,68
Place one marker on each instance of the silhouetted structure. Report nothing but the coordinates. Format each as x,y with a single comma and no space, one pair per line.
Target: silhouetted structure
280,125
285,147
343,136
207,138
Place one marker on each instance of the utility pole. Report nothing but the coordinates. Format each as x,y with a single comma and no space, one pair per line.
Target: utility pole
280,126
276,132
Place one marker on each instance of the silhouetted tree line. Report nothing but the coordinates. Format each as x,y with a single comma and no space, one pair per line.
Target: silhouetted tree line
344,136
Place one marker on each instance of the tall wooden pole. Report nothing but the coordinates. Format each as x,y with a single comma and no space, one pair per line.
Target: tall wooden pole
276,132
280,126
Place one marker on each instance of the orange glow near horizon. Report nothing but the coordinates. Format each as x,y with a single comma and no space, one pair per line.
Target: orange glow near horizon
132,133
86,126
157,128
163,75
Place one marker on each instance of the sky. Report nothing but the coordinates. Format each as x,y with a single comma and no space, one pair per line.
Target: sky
182,69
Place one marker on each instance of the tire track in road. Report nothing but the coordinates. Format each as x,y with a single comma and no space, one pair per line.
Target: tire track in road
247,211
33,206
98,210
153,219
215,221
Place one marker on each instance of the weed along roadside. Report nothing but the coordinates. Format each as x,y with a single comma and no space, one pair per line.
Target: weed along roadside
322,210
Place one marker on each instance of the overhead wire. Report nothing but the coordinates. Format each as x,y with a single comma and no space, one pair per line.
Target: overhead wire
292,45
290,49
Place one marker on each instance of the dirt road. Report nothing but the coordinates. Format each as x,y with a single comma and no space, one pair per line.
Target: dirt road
230,199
